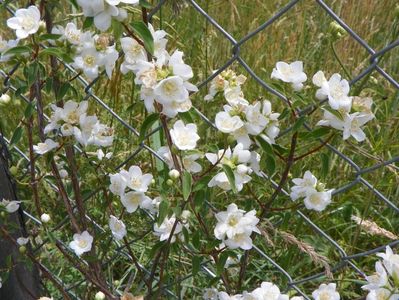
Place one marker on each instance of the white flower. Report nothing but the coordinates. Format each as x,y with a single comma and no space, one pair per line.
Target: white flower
165,229
336,90
290,73
350,124
132,200
382,294
45,218
72,34
326,292
101,135
178,66
235,227
81,243
134,52
146,73
268,291
25,22
45,147
190,164
184,137
6,45
108,59
1,283
10,206
318,201
378,279
303,185
227,123
151,205
238,160
118,184
390,262
88,61
136,180
315,194
117,227
22,241
171,89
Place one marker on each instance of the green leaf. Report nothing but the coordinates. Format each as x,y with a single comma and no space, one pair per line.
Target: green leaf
316,133
187,183
145,4
196,239
196,263
18,50
230,176
49,36
88,22
199,198
221,262
325,164
144,34
298,124
57,53
16,135
30,109
163,211
266,147
151,119
63,90
202,184
270,164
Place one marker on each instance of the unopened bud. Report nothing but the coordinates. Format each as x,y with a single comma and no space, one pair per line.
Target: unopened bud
100,296
169,182
174,174
45,218
5,99
22,249
14,171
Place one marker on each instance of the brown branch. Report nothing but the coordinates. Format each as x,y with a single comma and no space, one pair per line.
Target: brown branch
315,149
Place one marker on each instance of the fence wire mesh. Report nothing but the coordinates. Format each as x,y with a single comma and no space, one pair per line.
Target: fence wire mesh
359,172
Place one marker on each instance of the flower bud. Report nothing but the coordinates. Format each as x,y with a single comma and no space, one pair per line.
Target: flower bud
22,249
3,214
99,296
13,170
169,182
153,181
4,99
45,218
174,174
337,30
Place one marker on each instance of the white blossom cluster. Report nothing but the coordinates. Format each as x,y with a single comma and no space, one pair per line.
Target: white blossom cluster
384,283
188,159
270,291
131,187
72,120
235,226
164,78
164,230
92,52
315,195
240,118
243,162
102,11
336,91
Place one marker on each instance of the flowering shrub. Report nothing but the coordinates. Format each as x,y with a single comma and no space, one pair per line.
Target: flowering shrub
203,199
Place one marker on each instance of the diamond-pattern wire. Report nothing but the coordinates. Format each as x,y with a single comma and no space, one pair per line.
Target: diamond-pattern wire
346,260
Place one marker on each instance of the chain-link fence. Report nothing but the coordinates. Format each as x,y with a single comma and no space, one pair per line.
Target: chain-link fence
359,172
